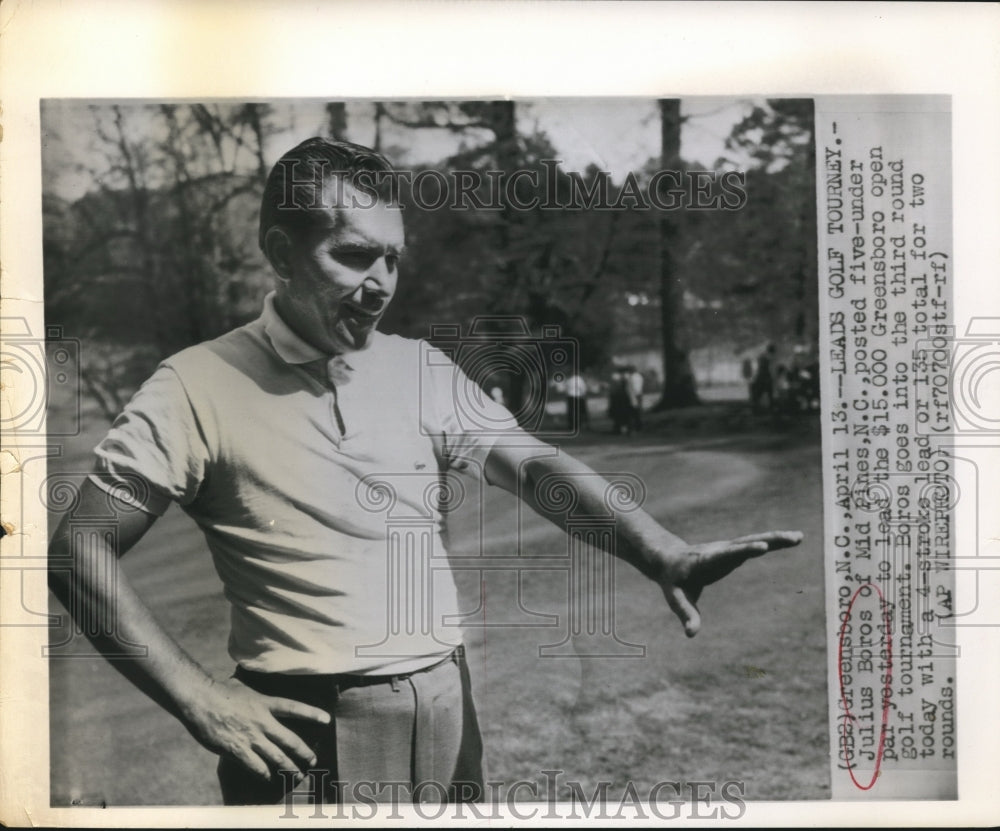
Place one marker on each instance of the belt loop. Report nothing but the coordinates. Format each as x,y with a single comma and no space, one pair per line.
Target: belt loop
394,681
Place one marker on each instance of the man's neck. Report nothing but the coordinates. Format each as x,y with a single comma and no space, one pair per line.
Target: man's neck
282,312
328,351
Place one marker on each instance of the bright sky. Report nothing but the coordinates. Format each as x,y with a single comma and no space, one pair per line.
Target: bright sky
615,134
619,135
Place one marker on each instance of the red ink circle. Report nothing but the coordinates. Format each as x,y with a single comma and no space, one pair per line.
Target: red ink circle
848,715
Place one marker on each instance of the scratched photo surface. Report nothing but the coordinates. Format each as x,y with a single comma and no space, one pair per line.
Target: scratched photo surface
634,280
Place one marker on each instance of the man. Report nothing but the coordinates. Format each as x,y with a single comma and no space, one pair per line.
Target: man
763,381
619,404
286,440
635,383
577,414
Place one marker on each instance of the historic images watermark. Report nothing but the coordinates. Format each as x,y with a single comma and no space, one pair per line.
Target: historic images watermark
35,368
546,187
547,797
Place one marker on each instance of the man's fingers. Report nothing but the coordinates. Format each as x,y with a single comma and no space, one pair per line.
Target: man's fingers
253,762
709,563
774,539
276,758
716,560
291,742
749,548
684,608
296,709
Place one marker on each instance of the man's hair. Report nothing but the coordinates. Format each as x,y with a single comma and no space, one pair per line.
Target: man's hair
293,193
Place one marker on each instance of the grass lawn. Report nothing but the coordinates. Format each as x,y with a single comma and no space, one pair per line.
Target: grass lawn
745,700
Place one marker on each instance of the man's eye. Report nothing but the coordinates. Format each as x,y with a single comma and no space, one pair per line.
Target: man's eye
391,261
354,258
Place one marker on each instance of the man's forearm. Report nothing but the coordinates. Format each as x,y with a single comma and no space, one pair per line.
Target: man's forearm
534,471
92,587
226,717
639,539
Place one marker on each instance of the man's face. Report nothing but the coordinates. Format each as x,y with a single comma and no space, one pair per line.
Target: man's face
342,273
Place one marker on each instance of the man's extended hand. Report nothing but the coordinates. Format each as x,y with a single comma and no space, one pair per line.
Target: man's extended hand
231,719
698,566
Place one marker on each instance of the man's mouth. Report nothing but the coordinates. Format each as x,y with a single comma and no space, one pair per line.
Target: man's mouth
369,311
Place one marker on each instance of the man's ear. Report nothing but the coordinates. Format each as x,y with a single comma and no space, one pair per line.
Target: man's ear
278,249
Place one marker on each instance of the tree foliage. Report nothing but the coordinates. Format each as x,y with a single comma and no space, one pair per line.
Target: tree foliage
158,255
161,252
756,267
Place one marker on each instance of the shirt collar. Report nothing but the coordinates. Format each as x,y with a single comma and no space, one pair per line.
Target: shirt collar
293,350
289,346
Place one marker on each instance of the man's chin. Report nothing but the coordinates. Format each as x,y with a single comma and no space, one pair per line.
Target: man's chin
354,336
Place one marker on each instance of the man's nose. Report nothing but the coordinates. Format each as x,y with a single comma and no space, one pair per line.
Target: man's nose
380,274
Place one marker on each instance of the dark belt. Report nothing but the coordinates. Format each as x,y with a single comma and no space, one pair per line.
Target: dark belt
279,683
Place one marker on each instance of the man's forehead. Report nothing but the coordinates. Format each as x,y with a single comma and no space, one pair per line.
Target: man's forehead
338,192
356,213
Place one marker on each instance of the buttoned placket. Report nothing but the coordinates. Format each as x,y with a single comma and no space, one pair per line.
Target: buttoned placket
338,417
318,372
337,375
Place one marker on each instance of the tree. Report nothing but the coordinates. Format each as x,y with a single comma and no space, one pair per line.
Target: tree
678,383
781,139
546,267
758,264
162,253
336,121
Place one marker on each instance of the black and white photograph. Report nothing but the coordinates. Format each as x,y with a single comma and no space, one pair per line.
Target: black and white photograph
456,443
561,416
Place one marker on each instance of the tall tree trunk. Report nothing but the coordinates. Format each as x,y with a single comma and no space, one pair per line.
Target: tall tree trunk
678,382
194,278
336,120
377,119
253,113
502,119
138,197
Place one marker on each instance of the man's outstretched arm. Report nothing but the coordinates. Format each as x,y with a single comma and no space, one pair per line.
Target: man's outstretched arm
226,717
680,569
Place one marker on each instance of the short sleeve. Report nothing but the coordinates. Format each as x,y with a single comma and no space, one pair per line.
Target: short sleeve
155,452
462,415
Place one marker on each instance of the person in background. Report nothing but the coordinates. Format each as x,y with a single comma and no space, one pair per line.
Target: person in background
619,407
784,391
746,370
577,414
635,384
763,381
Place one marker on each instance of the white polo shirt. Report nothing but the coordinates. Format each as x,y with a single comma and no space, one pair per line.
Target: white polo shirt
329,545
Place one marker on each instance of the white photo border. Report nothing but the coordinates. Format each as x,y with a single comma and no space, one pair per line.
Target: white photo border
270,49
